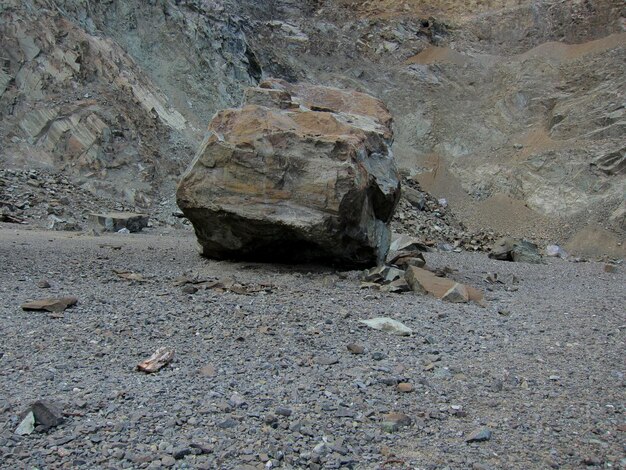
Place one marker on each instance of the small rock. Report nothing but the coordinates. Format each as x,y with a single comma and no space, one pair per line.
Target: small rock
592,461
236,400
327,360
227,423
181,452
208,371
54,305
378,356
479,435
404,387
27,426
189,289
555,251
283,411
610,268
168,461
43,285
355,348
392,422
161,358
389,325
456,294
47,413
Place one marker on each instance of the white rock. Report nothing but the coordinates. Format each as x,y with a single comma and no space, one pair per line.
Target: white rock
388,324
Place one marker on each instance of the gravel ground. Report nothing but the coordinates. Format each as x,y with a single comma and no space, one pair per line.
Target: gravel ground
266,380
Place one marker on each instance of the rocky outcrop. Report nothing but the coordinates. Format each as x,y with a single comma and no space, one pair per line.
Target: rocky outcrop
304,174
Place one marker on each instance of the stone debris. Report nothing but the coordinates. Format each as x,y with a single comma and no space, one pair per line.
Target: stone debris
300,187
161,358
511,249
221,285
421,217
5,216
610,268
389,325
421,281
54,304
54,201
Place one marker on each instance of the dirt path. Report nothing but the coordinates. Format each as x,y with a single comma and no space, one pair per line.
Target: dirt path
542,367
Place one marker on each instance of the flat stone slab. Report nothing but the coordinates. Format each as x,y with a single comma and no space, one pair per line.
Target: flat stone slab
115,221
51,305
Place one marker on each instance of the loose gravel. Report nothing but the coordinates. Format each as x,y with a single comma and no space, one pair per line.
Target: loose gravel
266,380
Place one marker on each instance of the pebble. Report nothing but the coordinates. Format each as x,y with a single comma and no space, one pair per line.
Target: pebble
405,387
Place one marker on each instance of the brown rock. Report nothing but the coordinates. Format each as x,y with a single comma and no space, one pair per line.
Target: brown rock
405,387
610,268
313,183
425,282
51,304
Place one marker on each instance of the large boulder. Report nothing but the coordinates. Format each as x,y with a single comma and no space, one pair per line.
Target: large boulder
299,173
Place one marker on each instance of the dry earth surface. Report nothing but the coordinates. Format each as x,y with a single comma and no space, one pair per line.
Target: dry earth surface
266,380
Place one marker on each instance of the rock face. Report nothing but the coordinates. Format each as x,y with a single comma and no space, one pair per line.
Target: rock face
303,174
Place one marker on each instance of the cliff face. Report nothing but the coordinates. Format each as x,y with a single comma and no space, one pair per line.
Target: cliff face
513,110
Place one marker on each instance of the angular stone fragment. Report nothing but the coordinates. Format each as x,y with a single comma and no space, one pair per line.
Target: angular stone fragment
479,435
27,425
401,242
51,304
310,181
397,286
423,282
404,259
115,221
47,413
388,324
161,358
457,294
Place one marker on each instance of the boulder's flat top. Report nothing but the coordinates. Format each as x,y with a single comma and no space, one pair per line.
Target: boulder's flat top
547,356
